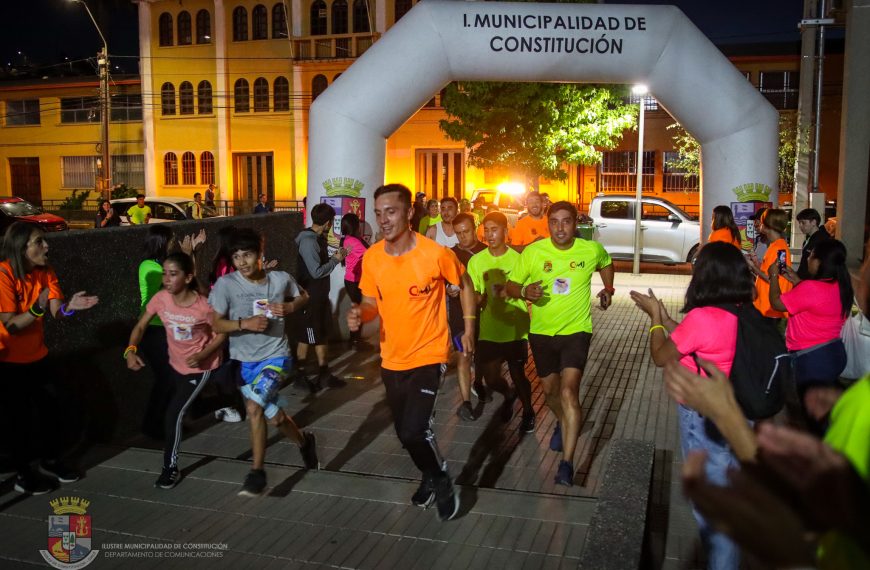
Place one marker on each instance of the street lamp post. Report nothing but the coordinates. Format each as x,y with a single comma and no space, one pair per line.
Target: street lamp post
640,91
105,172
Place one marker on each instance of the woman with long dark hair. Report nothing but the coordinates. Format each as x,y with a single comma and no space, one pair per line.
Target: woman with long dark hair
720,277
28,290
194,349
724,228
106,216
817,307
352,241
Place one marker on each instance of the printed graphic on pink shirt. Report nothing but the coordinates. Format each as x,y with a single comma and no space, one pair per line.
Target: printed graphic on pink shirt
188,331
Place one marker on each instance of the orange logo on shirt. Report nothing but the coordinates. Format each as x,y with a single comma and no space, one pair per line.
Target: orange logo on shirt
576,264
548,266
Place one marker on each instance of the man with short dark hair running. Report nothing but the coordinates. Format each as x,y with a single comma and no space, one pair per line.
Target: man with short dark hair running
403,282
555,276
463,225
504,322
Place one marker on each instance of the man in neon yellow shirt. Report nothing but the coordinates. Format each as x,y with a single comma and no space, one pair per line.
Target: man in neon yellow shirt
139,213
555,275
504,322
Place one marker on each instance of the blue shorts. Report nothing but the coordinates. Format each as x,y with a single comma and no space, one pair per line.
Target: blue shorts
457,341
262,380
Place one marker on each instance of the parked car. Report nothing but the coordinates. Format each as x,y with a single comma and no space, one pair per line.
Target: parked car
163,209
13,209
508,202
669,234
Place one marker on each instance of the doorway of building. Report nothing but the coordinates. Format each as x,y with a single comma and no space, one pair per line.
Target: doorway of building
24,174
254,174
440,172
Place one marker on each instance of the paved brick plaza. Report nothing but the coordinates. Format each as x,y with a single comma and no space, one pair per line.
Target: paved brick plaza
355,513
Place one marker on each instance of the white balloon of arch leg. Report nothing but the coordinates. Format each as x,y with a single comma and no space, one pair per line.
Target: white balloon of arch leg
440,41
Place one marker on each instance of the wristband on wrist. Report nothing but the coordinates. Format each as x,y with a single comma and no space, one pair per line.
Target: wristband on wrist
240,323
469,316
610,290
655,327
66,312
36,311
523,292
132,348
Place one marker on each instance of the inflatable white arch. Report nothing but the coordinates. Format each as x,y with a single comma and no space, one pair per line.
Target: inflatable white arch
440,41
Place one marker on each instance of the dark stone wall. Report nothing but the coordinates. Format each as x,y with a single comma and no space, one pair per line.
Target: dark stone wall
87,348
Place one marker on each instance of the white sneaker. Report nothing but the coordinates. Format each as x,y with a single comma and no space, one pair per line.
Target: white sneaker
229,415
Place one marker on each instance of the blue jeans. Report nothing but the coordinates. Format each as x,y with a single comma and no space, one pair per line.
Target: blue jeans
699,433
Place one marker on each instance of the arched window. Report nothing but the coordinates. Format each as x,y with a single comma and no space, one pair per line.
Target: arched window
318,86
242,96
188,168
318,18
339,17
170,169
185,98
281,94
361,17
206,168
279,21
203,27
167,99
402,7
260,22
203,95
261,95
240,24
165,26
184,33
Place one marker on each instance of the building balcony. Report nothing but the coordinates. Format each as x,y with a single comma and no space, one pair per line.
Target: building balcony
310,48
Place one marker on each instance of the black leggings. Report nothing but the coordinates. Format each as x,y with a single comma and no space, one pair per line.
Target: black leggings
156,352
187,388
411,396
33,405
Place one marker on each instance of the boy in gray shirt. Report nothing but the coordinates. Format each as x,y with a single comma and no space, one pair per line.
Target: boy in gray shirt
250,306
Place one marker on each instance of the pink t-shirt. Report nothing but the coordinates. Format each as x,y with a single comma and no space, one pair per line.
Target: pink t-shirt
353,261
188,331
815,314
709,332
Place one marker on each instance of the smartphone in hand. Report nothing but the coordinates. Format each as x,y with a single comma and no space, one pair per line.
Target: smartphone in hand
780,255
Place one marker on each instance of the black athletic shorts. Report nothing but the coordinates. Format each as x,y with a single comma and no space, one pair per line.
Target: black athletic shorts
553,354
313,321
513,351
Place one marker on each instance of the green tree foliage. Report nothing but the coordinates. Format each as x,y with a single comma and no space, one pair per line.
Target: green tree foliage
75,201
790,146
535,128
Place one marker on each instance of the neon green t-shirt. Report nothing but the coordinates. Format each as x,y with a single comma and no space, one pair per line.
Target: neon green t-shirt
566,277
426,222
501,320
138,215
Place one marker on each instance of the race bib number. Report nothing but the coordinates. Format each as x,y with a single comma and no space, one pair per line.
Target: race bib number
182,332
261,307
562,286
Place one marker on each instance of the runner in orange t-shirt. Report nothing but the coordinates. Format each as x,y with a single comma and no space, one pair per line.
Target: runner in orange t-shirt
403,281
775,222
28,289
532,227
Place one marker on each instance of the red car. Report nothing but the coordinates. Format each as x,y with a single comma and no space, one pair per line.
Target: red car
14,209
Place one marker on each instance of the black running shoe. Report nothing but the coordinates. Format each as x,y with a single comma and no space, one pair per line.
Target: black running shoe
60,471
34,483
309,450
528,423
465,412
565,474
313,383
446,498
255,483
168,479
425,494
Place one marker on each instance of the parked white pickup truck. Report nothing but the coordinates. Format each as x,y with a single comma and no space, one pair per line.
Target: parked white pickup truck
668,234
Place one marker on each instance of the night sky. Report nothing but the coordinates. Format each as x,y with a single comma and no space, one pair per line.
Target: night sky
48,31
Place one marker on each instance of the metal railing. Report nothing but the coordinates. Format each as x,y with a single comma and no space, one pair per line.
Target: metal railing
221,208
332,47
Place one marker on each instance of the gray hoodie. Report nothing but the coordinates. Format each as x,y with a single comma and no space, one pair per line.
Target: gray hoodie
314,265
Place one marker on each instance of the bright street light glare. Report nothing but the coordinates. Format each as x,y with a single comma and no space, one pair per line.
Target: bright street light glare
514,188
639,89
